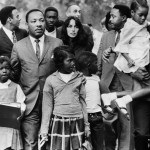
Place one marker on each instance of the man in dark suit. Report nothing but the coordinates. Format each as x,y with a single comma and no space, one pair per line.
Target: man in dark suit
115,80
32,58
10,31
74,10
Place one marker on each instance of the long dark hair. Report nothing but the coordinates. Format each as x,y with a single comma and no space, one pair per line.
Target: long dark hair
81,37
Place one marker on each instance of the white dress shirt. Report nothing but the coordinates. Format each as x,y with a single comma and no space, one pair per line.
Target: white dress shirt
8,33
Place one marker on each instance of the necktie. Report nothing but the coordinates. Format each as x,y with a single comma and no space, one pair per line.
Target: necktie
14,37
116,42
37,49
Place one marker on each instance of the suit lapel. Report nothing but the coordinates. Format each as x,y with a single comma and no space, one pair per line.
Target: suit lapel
112,37
47,44
5,37
30,48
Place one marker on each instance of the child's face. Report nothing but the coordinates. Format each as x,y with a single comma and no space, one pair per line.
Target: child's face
93,67
4,71
140,15
68,64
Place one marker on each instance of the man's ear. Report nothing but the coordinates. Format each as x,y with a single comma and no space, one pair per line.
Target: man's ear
67,13
132,13
9,19
124,18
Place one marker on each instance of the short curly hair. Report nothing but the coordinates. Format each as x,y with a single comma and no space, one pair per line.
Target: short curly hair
5,59
61,53
84,60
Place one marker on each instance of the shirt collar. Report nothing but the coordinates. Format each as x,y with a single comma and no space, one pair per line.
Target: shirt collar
5,85
8,32
53,33
33,39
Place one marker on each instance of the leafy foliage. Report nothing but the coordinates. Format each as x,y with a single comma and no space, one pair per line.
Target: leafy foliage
92,10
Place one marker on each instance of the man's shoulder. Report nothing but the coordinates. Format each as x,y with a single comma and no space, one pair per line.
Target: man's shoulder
53,39
109,32
22,41
2,32
20,30
86,27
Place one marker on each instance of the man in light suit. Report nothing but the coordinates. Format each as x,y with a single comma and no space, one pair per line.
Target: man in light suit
10,20
115,80
32,59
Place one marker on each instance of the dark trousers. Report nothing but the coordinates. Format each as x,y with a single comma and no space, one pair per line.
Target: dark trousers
118,128
30,127
97,130
141,112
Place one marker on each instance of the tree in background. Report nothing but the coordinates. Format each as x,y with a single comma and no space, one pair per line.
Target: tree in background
93,11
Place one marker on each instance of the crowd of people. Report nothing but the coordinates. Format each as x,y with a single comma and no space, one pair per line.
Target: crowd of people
76,90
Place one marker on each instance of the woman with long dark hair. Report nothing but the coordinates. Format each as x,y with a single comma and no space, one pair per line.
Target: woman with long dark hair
73,35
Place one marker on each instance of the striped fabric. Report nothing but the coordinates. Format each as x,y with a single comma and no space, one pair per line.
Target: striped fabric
66,133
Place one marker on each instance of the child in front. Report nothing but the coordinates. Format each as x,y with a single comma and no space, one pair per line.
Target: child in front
10,92
63,108
87,64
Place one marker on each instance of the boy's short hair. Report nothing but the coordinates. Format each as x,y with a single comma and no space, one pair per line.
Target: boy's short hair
4,59
138,3
84,60
61,53
50,9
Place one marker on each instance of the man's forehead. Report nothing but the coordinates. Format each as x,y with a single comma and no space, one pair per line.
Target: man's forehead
36,14
74,7
15,11
115,11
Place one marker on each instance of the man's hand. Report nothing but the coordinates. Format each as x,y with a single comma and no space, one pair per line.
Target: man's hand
87,132
141,74
131,63
43,139
106,54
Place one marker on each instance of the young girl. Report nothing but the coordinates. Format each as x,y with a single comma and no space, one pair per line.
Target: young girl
87,64
10,92
64,115
133,46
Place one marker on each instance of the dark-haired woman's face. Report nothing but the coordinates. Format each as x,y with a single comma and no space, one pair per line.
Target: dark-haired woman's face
72,29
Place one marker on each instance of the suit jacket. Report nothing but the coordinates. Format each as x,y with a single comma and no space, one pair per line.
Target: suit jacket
6,44
90,42
32,72
107,70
